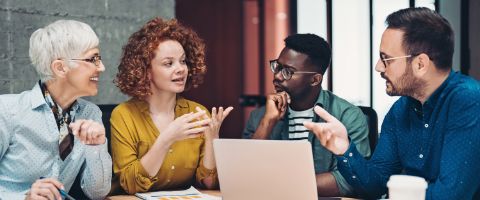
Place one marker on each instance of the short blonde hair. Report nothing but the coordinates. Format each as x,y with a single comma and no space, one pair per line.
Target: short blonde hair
60,39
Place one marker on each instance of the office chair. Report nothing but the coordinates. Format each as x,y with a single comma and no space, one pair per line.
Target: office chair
372,120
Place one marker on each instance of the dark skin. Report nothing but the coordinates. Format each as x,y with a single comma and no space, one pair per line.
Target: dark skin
301,93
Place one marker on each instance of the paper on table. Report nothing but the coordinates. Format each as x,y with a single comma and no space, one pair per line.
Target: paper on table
190,193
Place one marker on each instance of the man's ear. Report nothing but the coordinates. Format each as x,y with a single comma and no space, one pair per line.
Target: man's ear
59,68
421,64
316,79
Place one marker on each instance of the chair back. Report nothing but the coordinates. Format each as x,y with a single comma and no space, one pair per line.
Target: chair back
372,120
106,114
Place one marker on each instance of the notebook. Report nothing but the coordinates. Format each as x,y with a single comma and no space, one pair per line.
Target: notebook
190,193
265,169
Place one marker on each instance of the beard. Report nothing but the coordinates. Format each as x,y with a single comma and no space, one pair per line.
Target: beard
406,85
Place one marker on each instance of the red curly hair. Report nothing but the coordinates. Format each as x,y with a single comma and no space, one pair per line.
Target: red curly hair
138,54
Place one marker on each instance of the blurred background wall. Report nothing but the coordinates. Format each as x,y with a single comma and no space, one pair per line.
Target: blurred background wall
241,37
112,20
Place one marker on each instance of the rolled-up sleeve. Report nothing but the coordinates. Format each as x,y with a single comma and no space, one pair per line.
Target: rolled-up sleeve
203,172
97,174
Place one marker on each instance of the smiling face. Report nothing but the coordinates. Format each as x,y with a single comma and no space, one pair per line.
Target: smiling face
83,76
398,73
169,70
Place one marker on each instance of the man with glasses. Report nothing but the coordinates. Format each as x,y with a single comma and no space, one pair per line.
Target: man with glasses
432,131
298,74
49,135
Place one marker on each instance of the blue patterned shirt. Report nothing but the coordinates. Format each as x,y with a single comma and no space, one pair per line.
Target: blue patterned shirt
29,148
439,141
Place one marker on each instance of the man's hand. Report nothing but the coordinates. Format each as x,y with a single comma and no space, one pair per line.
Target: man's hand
276,106
88,131
331,133
212,132
45,189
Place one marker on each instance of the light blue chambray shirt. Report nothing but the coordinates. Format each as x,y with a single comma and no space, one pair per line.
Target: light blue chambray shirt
29,148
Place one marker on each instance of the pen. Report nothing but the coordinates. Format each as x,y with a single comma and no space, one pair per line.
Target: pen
67,196
62,192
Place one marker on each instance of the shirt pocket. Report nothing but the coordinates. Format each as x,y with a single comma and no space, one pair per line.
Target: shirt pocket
142,148
192,149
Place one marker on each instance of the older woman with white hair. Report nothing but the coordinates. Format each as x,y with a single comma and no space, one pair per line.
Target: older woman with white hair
48,135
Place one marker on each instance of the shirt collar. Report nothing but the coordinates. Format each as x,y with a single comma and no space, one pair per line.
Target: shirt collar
322,99
433,99
37,99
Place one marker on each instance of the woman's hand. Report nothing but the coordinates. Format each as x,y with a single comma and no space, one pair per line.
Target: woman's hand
189,125
88,131
45,189
212,132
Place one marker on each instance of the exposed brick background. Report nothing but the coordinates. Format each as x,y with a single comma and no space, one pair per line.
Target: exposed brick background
113,21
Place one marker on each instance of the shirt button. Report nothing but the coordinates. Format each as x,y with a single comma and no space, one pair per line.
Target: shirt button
345,161
354,177
170,151
173,167
420,156
350,154
426,125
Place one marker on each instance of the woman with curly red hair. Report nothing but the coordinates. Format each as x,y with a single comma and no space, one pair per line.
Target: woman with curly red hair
161,141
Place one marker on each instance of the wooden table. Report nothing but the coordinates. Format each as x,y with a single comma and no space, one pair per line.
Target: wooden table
133,197
213,193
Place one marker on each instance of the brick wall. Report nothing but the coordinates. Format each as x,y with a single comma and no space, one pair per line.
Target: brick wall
113,21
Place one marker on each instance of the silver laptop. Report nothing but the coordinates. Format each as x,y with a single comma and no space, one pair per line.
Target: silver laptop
265,169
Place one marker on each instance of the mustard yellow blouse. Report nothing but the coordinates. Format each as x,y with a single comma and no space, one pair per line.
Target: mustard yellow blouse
133,134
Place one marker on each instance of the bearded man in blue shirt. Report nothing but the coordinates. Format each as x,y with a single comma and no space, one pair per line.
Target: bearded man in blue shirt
49,135
432,131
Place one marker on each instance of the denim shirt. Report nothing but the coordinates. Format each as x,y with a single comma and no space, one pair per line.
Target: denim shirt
439,141
324,161
29,148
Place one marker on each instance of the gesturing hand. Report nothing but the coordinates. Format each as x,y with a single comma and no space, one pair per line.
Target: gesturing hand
45,189
189,125
276,105
213,129
88,131
331,133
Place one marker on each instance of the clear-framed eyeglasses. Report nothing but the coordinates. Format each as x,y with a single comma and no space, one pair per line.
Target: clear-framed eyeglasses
384,59
287,73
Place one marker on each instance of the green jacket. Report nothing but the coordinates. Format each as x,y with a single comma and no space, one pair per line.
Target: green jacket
351,116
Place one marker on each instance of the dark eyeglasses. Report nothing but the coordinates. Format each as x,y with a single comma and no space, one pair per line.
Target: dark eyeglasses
96,60
287,73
